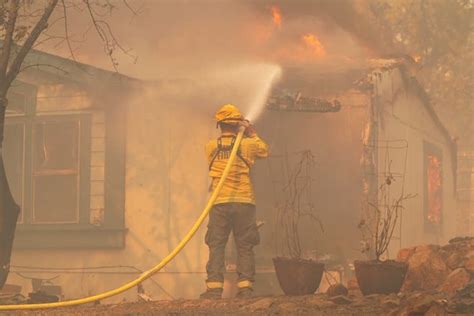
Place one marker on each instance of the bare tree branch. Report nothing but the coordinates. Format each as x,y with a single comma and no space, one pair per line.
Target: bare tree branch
66,31
7,45
41,25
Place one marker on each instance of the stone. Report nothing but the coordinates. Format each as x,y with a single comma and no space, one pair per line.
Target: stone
341,300
436,310
264,303
337,289
423,304
469,264
456,280
405,254
391,302
461,239
426,269
288,308
467,291
455,260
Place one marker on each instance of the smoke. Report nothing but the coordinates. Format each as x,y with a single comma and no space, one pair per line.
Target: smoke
187,39
354,17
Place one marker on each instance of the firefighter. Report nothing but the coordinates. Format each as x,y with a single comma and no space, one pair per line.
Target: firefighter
234,209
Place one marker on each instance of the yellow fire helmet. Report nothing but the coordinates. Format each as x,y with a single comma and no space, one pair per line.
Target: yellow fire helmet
229,114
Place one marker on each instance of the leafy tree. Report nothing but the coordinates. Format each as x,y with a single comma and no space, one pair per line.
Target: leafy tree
440,35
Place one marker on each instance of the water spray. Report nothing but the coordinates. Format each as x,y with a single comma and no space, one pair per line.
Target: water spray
258,104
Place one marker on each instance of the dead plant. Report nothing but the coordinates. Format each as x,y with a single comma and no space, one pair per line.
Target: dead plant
381,220
296,204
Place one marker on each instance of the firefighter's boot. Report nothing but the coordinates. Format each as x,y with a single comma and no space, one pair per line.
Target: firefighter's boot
212,294
245,292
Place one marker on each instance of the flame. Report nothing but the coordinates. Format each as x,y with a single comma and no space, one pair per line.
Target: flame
276,14
314,44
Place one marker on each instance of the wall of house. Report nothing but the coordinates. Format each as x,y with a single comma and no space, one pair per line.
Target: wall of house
334,140
404,126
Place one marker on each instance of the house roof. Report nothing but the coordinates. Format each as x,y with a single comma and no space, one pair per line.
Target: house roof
55,68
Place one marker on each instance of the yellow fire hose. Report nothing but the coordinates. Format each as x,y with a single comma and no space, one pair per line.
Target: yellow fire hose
147,274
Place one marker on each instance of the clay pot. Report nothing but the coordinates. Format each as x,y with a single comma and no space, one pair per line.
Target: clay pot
376,277
298,276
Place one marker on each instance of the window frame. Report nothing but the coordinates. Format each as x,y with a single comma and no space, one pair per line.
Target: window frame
84,143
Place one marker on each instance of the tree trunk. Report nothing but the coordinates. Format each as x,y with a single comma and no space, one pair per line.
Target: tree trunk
9,210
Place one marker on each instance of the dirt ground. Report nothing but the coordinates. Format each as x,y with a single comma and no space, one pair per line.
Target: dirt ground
430,303
416,303
282,305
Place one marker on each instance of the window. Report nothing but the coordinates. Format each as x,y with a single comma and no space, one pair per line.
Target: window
56,164
433,177
46,158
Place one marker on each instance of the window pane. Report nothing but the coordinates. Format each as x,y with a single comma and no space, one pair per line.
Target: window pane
55,199
56,145
13,158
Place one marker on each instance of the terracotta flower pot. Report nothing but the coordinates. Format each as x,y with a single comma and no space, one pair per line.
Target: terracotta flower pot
298,276
376,277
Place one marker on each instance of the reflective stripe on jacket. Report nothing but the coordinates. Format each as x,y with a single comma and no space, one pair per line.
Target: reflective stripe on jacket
237,187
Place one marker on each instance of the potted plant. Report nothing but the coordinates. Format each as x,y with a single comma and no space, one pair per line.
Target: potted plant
296,275
377,276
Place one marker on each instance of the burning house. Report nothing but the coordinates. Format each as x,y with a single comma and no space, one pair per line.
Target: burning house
365,127
104,176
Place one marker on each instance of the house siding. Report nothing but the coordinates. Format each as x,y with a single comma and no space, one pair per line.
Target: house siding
403,116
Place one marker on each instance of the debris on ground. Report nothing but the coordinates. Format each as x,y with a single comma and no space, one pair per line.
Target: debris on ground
439,282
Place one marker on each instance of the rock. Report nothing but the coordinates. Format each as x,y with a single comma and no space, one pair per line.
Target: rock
264,303
461,239
288,308
341,300
390,302
467,291
436,310
464,306
337,289
455,260
405,254
456,280
426,269
423,303
469,263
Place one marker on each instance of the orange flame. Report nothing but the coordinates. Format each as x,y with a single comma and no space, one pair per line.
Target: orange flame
313,43
276,14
